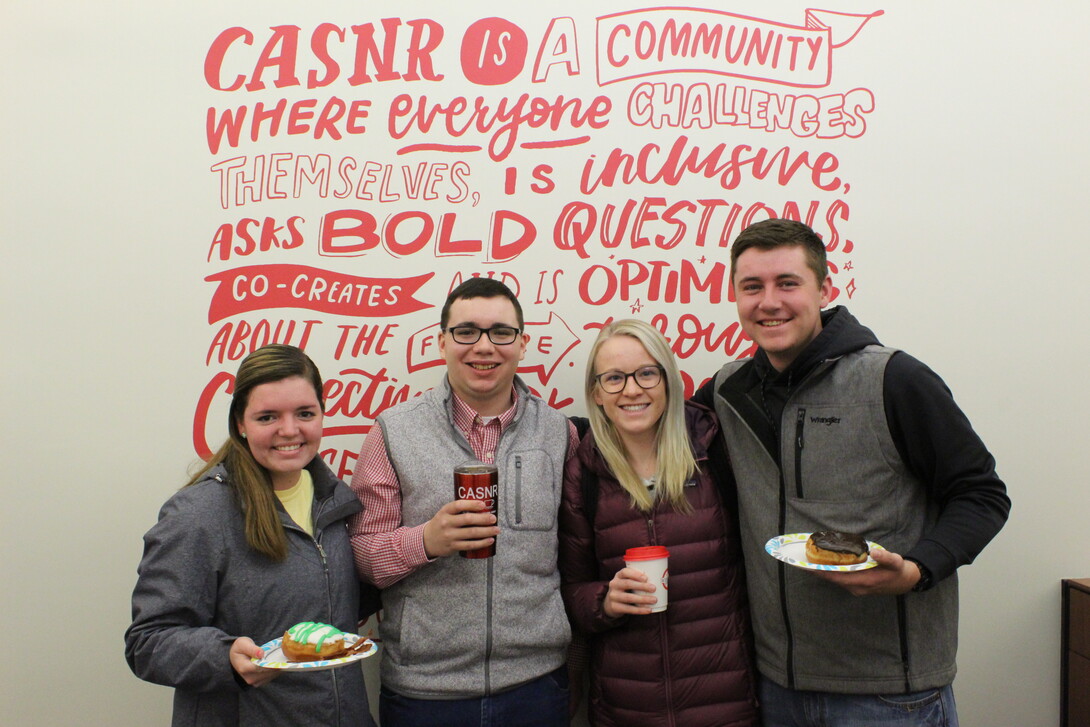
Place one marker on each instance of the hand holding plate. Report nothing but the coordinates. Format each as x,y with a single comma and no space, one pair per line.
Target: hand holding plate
893,576
274,659
791,549
243,652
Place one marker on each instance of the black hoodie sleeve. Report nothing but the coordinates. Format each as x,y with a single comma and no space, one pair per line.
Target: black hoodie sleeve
940,447
705,395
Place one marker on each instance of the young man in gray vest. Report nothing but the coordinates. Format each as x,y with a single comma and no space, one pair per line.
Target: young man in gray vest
468,642
829,430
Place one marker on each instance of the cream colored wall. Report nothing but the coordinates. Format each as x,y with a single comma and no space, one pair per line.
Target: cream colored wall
974,200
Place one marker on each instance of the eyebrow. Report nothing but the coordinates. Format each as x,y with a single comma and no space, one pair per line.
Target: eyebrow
483,328
276,411
640,366
781,276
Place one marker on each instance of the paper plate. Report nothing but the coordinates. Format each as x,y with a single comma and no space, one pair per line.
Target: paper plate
791,549
274,657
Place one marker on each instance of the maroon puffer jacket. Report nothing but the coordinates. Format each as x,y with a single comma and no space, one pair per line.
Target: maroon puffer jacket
690,665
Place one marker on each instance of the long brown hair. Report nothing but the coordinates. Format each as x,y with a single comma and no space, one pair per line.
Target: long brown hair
249,481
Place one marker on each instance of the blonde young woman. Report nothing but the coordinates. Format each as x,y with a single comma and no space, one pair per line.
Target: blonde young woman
641,478
254,543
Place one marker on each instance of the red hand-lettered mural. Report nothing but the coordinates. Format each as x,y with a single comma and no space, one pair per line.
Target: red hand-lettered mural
599,165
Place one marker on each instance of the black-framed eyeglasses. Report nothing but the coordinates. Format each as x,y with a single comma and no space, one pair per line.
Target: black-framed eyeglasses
646,377
468,335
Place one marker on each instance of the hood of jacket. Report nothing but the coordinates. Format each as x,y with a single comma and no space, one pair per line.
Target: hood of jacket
841,333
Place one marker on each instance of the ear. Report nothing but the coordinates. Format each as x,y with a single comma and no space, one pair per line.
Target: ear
442,339
523,345
596,393
826,291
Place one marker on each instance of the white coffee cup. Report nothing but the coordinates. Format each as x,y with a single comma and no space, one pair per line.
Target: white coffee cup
652,561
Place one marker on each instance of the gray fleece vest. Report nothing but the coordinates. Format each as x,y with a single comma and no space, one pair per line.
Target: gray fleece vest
460,628
839,469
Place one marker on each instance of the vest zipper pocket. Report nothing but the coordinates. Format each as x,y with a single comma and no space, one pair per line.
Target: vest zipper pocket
800,421
518,489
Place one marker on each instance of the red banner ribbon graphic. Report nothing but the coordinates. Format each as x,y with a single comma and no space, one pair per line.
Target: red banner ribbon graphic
651,42
260,287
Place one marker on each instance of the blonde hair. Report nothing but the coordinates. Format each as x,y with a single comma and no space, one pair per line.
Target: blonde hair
674,454
249,481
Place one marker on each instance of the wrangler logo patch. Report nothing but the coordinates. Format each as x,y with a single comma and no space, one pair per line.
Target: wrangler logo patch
827,421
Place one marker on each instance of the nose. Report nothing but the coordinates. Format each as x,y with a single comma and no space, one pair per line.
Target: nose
484,344
631,388
288,426
770,299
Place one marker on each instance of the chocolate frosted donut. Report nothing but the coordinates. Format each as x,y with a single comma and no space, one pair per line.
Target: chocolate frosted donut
832,547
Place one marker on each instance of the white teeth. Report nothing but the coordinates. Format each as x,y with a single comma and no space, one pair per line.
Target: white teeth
772,324
634,407
287,447
483,367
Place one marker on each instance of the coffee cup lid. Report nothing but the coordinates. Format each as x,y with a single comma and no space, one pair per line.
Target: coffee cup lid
647,552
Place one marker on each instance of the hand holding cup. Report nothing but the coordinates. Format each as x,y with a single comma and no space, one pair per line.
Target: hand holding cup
459,526
653,562
479,482
630,593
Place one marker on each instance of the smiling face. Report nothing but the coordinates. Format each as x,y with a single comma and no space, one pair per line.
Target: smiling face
282,424
481,373
634,412
779,301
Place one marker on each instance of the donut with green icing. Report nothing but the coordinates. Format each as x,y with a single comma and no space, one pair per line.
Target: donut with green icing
311,641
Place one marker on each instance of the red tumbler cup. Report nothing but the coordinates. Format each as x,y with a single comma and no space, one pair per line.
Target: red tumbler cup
478,481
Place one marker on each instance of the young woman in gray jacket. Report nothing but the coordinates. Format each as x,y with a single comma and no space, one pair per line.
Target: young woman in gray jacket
255,543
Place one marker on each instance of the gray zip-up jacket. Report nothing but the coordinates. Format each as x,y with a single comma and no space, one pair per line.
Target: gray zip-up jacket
857,437
201,586
461,628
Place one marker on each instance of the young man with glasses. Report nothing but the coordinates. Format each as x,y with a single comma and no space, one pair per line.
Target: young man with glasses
468,642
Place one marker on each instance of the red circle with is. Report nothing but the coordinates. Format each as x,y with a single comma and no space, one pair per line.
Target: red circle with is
493,52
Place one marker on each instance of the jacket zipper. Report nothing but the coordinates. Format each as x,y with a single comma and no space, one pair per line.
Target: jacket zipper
781,571
489,581
316,539
488,631
328,593
664,636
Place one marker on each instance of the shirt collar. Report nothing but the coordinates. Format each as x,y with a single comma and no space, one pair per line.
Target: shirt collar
465,415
